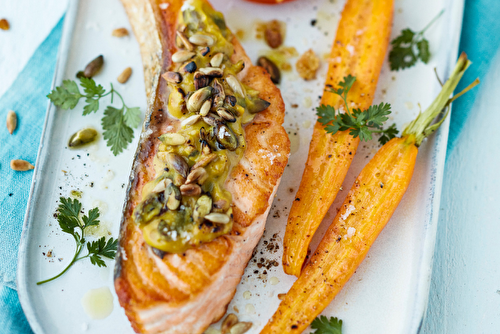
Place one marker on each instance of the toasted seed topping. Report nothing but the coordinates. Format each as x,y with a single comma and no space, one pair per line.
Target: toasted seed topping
93,67
182,56
205,160
20,165
184,40
202,39
173,196
125,75
198,175
188,67
217,59
218,218
200,80
202,208
205,51
161,186
226,137
273,34
173,77
212,72
235,85
231,100
240,327
205,108
190,189
229,322
120,32
11,121
190,120
226,115
173,139
196,100
176,162
210,120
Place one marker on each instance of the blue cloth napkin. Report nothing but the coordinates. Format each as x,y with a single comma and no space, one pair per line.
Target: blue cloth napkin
27,97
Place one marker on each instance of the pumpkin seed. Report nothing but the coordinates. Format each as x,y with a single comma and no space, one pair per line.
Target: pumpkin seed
202,208
271,68
176,162
120,32
229,322
173,77
20,165
202,39
213,72
161,186
190,120
257,105
188,67
184,41
182,55
82,137
190,189
198,175
226,137
240,327
11,121
93,67
230,100
149,208
196,100
125,75
226,115
172,139
205,160
200,80
173,197
218,218
217,59
235,85
205,108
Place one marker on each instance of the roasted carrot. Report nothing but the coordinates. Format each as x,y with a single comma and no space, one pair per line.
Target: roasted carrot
368,207
359,50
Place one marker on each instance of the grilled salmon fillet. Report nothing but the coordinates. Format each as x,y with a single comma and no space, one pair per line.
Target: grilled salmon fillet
186,292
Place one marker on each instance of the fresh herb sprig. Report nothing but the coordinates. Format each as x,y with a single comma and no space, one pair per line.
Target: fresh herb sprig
362,123
70,222
409,47
118,124
323,325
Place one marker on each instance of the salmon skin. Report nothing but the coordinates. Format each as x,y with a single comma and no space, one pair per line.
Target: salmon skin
186,292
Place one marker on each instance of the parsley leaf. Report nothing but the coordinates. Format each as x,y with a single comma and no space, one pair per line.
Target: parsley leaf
68,216
117,133
323,325
362,123
409,47
118,124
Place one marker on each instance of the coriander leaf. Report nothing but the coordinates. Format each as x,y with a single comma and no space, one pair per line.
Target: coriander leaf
66,96
388,134
423,50
133,117
91,106
117,134
91,218
323,325
91,88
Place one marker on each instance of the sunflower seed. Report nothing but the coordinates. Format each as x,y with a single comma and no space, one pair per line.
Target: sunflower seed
205,108
240,327
217,59
184,40
213,72
271,68
226,115
11,121
190,120
172,139
20,165
93,67
205,51
219,94
196,100
200,80
235,85
4,24
202,208
198,175
202,39
182,55
190,189
173,196
188,67
229,322
125,75
120,32
173,77
210,120
218,218
205,160
161,186
82,137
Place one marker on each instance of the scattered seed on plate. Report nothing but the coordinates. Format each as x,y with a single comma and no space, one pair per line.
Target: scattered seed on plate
271,68
307,65
20,165
11,121
93,67
273,34
125,75
120,32
4,24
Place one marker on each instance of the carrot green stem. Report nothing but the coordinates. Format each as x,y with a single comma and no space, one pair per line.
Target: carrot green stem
422,126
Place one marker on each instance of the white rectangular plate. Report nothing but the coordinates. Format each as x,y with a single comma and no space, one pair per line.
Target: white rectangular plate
388,293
